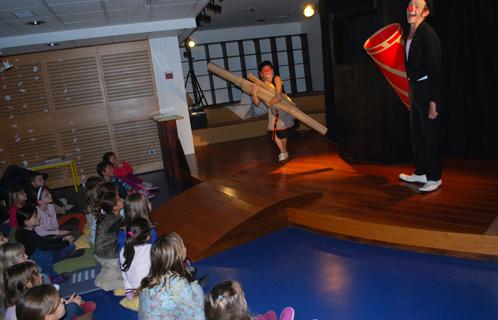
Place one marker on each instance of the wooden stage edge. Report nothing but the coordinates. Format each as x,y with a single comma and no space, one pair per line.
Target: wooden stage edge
242,193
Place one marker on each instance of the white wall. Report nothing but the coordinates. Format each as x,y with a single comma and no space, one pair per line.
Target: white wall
313,30
171,92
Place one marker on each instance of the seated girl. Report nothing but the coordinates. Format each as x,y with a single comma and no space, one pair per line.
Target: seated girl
49,225
135,258
123,170
226,301
43,302
168,292
92,186
106,241
137,206
44,251
19,199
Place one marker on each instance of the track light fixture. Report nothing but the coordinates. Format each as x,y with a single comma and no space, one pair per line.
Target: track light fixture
215,8
202,18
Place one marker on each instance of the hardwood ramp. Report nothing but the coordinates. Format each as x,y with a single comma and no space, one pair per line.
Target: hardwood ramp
224,212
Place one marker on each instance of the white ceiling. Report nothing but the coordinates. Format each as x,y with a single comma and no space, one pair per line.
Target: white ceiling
76,23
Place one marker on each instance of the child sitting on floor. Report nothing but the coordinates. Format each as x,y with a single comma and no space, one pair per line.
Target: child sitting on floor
135,258
37,180
123,170
11,253
168,292
92,186
49,226
44,251
106,241
137,206
43,302
19,199
105,171
226,301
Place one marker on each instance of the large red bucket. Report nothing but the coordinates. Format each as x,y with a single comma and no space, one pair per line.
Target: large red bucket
387,49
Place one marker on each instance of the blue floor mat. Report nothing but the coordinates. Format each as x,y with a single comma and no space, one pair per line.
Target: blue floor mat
80,282
325,278
108,307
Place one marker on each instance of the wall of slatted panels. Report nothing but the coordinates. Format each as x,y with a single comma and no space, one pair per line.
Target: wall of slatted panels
80,103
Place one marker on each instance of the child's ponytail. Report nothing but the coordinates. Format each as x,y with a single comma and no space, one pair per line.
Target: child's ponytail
137,233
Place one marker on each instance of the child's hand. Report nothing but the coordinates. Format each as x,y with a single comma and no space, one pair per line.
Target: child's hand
69,238
75,298
63,232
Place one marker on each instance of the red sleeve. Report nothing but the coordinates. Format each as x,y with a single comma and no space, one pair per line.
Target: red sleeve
127,167
12,216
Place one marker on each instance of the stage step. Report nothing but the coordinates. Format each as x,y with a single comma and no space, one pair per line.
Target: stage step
455,243
224,212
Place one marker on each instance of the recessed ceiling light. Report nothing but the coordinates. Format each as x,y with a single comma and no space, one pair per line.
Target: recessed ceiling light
23,14
52,44
35,23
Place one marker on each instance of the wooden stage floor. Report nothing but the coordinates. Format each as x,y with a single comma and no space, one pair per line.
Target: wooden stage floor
243,193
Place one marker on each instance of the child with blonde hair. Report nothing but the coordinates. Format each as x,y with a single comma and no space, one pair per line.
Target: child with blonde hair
19,278
226,301
168,292
11,253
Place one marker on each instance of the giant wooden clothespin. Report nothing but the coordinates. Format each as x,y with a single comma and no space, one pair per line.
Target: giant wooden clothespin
267,95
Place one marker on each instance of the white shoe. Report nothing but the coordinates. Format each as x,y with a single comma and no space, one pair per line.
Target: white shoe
431,185
413,178
283,156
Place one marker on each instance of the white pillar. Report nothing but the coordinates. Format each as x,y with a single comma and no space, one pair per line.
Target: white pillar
171,94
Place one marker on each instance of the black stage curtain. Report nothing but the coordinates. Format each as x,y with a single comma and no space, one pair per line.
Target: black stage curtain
468,31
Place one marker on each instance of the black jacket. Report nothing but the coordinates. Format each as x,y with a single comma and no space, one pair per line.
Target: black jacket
424,59
33,241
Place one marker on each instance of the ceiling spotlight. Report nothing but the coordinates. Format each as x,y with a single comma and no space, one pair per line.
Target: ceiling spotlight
52,44
309,10
190,43
35,23
203,18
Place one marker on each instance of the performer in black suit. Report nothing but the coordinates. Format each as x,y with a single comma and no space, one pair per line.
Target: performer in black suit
424,71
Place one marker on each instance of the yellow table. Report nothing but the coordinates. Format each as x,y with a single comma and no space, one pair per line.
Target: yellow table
61,163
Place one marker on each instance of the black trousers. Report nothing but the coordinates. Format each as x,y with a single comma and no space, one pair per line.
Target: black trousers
426,134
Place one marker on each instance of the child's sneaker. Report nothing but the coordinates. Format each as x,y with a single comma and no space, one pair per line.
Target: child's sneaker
149,186
283,156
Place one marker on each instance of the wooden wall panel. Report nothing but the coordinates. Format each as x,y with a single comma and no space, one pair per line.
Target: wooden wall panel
80,103
74,82
135,139
23,91
87,146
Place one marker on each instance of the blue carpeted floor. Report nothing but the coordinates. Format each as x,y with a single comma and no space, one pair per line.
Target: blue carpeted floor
325,278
